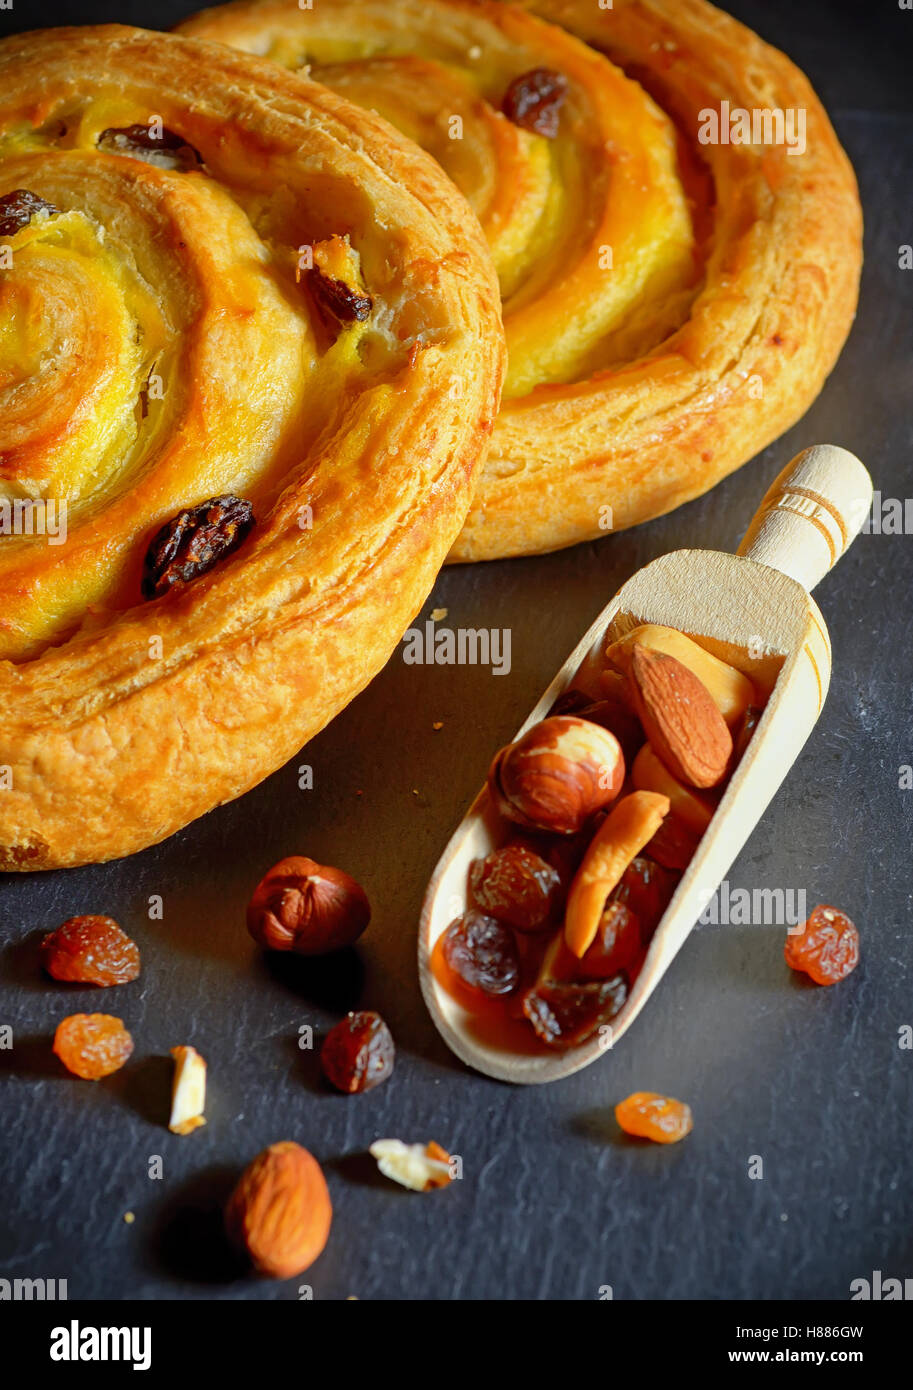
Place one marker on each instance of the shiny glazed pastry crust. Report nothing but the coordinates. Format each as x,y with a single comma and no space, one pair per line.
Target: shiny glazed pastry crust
160,346
637,381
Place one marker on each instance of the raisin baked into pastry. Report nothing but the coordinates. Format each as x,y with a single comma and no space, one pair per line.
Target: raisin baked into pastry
250,357
673,296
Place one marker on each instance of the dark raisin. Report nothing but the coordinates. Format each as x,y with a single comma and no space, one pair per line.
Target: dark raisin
615,947
167,150
337,301
564,1015
571,702
193,541
483,953
646,888
674,844
516,886
534,101
18,208
358,1054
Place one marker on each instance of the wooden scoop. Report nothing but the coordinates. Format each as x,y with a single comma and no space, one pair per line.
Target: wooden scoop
752,610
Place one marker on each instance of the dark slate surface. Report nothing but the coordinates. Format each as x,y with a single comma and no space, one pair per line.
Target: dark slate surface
554,1203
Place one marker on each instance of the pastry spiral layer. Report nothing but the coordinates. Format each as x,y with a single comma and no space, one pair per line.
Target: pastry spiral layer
670,306
250,337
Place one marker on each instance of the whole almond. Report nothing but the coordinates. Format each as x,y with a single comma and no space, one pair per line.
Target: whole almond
280,1211
680,718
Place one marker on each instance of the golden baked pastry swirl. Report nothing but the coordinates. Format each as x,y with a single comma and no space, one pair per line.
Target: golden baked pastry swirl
671,306
250,337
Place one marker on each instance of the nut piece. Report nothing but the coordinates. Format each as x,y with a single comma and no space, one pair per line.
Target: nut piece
680,718
306,907
694,809
280,1211
358,1054
557,775
622,835
188,1091
730,688
420,1167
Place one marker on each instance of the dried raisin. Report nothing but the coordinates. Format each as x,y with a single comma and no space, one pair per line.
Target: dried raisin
827,948
483,954
674,844
167,150
358,1054
534,100
646,888
571,701
616,946
647,1115
18,208
90,951
516,886
193,541
341,302
564,1015
92,1045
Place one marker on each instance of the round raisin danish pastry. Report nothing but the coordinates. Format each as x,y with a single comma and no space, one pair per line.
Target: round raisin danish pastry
250,357
674,296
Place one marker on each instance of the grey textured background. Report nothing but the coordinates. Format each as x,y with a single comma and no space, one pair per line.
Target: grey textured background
555,1202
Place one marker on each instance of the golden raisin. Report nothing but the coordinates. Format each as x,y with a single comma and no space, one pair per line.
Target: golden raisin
650,1116
827,948
92,1045
90,951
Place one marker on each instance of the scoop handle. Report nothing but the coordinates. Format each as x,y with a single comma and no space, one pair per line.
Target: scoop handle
810,514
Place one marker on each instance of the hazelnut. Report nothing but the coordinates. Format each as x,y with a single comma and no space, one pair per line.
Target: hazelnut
306,907
559,774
